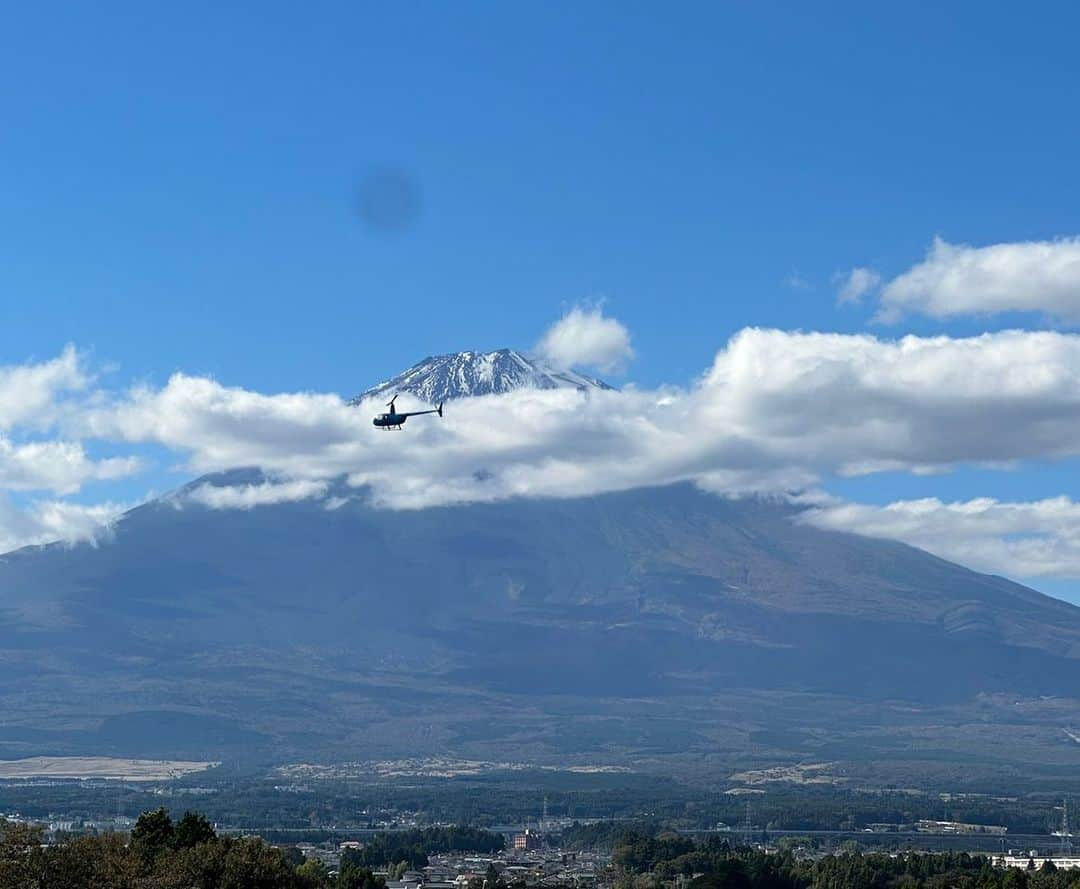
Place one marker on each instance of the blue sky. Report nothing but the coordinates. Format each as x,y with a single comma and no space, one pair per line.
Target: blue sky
178,186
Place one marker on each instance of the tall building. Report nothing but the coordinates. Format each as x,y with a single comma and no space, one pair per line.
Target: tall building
529,839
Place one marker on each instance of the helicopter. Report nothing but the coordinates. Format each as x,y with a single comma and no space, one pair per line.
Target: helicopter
393,420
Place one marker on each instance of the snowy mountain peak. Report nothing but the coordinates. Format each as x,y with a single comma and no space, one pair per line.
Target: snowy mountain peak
465,374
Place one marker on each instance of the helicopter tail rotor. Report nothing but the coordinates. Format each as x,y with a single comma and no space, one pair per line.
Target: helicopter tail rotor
438,410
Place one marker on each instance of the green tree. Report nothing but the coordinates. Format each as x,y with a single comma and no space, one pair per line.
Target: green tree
103,862
252,864
201,866
192,829
152,835
354,876
314,875
293,855
20,855
1014,879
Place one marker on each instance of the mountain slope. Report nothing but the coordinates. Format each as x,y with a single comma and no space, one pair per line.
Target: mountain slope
465,374
682,623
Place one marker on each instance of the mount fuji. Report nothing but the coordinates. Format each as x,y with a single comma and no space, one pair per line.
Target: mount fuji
665,628
466,374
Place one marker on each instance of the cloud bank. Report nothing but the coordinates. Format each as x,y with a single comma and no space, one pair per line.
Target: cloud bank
776,412
776,409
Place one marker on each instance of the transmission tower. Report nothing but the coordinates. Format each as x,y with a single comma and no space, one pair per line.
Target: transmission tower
747,828
1066,837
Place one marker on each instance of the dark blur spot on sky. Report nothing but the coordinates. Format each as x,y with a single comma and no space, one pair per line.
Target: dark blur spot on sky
388,201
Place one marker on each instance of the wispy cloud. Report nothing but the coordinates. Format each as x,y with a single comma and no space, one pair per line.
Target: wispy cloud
48,521
795,281
855,284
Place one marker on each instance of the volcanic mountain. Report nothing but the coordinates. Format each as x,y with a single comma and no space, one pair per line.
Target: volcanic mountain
465,374
666,628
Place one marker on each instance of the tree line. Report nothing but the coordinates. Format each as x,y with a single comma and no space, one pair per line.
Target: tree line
643,861
163,854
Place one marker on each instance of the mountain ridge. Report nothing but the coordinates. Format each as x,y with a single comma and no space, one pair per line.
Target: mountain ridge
296,630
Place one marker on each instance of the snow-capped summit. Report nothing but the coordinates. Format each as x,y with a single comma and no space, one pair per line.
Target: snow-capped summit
464,374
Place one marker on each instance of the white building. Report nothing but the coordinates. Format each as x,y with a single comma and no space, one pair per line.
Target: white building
1061,862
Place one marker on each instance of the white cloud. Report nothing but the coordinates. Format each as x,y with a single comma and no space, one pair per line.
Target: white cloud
957,279
856,284
1033,539
34,399
29,393
776,410
858,403
62,467
262,494
583,337
50,521
223,427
